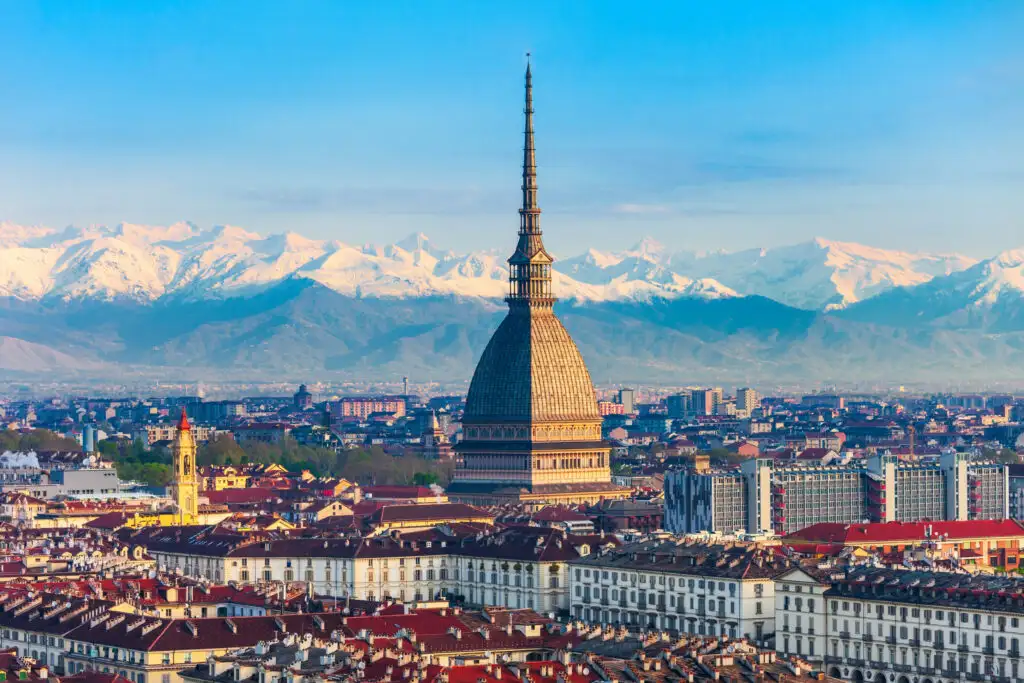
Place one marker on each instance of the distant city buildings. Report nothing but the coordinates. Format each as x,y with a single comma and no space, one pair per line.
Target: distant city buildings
54,475
302,399
362,407
747,401
761,496
627,399
705,401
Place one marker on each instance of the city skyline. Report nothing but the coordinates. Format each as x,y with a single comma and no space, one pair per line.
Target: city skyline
705,128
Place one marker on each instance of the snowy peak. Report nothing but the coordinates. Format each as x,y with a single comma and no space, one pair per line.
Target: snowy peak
988,297
13,235
820,274
648,248
992,280
146,262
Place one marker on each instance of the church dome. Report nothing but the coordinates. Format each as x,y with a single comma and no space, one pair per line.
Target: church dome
531,371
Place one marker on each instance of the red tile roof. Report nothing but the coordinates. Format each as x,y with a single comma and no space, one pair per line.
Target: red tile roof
903,532
398,492
439,512
249,495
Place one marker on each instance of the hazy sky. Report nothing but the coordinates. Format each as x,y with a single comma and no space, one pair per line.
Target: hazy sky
703,124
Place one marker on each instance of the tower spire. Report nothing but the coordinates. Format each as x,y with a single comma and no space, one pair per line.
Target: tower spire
530,221
530,265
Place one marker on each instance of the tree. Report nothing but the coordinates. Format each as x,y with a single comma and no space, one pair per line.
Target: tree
36,440
424,478
156,474
1003,455
222,449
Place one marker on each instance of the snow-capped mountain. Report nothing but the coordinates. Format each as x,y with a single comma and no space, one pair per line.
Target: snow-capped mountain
986,296
820,274
180,299
146,263
640,273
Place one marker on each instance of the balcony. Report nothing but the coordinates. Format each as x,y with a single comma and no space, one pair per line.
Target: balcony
939,646
891,640
962,648
1013,653
845,635
914,642
988,650
868,638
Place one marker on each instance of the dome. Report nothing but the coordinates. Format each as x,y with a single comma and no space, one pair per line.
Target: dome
531,371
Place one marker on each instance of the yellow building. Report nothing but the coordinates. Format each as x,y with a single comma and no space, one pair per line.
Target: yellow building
227,477
185,487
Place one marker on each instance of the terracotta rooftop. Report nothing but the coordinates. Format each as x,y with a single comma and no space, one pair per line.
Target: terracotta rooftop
905,532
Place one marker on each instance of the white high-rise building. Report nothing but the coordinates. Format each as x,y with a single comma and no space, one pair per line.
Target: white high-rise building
747,400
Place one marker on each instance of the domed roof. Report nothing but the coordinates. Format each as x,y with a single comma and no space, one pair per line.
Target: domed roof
531,371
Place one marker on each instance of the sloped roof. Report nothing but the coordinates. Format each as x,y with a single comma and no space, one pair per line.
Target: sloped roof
897,532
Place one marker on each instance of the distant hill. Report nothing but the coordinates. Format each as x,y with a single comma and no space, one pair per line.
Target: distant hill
179,301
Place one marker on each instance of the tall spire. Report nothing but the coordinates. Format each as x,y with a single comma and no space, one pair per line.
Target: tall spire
530,221
530,265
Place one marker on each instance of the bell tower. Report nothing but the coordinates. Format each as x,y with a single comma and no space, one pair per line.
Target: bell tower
185,487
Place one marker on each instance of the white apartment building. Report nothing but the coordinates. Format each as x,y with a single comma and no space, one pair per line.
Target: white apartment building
899,626
517,567
687,586
800,613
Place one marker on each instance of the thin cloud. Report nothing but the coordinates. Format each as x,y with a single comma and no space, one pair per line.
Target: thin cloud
371,200
634,209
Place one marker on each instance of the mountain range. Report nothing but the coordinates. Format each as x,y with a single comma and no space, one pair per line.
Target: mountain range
228,302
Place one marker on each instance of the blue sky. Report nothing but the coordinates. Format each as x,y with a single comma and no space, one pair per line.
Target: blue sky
706,125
